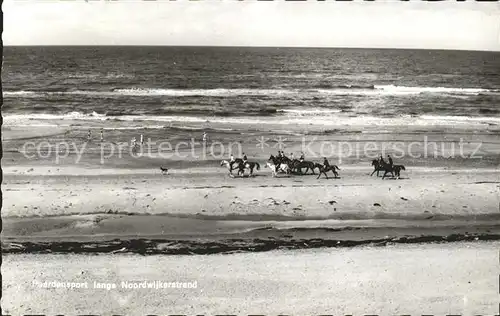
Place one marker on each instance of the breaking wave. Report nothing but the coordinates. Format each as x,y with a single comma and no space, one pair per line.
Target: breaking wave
391,90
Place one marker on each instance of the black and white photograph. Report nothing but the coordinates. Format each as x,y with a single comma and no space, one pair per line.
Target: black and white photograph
223,157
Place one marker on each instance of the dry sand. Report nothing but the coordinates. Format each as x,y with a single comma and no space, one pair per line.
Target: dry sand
428,279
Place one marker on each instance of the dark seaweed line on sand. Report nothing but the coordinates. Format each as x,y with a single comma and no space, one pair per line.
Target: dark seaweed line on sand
189,247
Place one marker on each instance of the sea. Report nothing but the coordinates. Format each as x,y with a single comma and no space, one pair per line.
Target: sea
328,86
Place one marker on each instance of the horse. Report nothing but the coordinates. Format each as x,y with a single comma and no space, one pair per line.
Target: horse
376,167
323,170
397,170
279,163
238,164
229,165
387,168
297,165
250,165
276,169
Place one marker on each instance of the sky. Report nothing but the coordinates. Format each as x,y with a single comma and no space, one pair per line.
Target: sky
465,25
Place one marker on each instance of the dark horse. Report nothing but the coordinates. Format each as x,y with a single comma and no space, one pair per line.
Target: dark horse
397,170
394,170
323,170
298,165
238,164
381,167
250,165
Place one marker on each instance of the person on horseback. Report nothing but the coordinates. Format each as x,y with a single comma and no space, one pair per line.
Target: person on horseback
292,158
326,164
381,160
390,160
301,157
245,159
231,161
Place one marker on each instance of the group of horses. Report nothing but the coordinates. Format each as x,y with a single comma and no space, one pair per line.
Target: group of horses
381,165
281,165
285,165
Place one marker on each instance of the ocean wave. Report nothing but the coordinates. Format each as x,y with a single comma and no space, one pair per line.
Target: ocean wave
313,112
346,89
417,90
325,120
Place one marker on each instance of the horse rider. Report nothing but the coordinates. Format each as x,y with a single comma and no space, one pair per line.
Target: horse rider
245,159
231,161
292,158
326,164
390,160
381,160
301,159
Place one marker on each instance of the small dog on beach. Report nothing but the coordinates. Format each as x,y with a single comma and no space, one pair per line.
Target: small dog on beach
164,170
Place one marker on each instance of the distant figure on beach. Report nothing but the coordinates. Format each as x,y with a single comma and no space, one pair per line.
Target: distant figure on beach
134,142
204,137
142,139
102,135
390,160
89,136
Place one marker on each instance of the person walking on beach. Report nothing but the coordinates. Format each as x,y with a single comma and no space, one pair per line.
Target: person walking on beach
102,135
204,137
142,139
89,135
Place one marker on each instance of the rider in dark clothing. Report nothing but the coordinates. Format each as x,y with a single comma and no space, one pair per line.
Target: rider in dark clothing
326,164
390,160
244,158
301,157
381,160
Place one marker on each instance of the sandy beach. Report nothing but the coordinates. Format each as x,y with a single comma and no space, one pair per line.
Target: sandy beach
435,279
73,194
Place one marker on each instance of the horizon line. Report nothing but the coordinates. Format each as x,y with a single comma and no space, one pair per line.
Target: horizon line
253,46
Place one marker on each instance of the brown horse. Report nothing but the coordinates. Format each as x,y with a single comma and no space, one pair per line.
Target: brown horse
323,170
